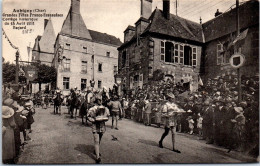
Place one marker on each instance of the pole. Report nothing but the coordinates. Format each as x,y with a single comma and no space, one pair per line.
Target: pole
176,7
17,68
237,50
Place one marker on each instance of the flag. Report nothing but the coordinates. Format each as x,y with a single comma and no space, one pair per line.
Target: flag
200,81
241,36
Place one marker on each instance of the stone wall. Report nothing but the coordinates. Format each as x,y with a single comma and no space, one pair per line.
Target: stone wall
76,53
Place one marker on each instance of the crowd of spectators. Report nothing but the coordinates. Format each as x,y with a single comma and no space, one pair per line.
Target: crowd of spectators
214,112
17,117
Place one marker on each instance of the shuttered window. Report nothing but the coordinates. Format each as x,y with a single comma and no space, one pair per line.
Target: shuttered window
162,50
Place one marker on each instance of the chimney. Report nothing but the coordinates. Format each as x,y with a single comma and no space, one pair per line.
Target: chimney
166,9
45,23
218,13
146,8
75,6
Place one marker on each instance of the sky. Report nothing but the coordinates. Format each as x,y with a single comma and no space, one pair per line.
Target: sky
106,16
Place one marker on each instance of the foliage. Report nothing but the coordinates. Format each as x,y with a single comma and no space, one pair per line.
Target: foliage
158,75
8,72
46,74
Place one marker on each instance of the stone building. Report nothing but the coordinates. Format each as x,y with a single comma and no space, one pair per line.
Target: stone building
219,34
43,49
160,41
185,50
83,55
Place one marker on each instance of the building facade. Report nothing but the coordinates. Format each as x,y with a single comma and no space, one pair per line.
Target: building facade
221,32
185,50
83,55
43,49
160,41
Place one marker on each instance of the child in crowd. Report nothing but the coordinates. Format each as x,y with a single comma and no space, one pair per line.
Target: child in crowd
191,124
199,125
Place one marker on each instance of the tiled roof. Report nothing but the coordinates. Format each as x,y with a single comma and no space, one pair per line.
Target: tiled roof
175,26
226,23
104,38
36,46
74,25
47,40
130,27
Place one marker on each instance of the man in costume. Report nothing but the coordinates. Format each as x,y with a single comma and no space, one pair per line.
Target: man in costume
169,118
97,115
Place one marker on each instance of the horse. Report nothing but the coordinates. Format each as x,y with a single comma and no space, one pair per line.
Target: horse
57,103
83,110
75,104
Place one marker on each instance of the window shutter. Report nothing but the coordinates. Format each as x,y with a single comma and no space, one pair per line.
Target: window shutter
194,56
219,55
176,53
131,82
127,58
162,50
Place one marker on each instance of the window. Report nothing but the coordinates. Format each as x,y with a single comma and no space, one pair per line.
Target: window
141,77
85,49
162,50
219,54
127,58
100,67
66,64
187,55
150,69
99,84
169,52
83,84
194,56
115,69
66,83
131,82
108,54
84,66
124,59
67,46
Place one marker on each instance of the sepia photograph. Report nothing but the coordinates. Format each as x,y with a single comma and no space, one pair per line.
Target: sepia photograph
130,82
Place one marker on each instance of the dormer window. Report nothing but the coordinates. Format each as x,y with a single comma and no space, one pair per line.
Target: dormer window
85,49
67,46
108,54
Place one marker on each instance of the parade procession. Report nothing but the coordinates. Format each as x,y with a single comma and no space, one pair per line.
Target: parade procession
181,86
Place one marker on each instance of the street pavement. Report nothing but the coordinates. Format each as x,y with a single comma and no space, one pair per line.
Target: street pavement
57,139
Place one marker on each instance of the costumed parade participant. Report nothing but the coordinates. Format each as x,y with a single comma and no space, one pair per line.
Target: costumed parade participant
169,117
98,115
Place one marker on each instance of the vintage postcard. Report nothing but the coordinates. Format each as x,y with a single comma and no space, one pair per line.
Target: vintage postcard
130,81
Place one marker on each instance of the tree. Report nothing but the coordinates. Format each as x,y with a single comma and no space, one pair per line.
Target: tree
9,73
46,74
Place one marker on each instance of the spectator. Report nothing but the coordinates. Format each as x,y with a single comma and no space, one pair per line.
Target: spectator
8,140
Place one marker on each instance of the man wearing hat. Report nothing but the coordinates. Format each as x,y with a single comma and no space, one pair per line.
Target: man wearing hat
8,139
238,132
116,108
169,120
148,111
207,122
98,126
218,121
